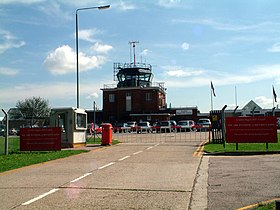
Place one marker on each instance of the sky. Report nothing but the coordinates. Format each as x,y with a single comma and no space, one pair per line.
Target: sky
234,44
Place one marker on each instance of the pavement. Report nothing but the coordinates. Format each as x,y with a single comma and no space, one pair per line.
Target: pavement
221,181
124,176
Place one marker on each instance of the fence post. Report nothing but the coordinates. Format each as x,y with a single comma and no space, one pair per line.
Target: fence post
7,133
224,125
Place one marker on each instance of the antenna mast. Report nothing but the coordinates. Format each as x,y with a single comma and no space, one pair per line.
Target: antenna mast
132,44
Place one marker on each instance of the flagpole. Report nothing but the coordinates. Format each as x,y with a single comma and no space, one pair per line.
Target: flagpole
211,96
273,96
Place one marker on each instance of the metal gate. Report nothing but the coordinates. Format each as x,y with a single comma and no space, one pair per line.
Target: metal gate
162,137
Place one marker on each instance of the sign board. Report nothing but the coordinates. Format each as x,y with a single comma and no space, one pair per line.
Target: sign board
184,112
40,139
258,129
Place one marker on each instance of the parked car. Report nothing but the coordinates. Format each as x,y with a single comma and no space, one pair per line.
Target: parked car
144,127
156,127
203,124
13,132
278,122
186,125
174,126
121,128
132,125
165,126
2,130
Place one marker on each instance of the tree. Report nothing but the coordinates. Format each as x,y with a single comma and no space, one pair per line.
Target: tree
34,108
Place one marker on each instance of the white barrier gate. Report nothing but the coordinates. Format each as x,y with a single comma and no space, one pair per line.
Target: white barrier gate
161,137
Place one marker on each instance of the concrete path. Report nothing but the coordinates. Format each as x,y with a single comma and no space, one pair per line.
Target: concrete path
126,176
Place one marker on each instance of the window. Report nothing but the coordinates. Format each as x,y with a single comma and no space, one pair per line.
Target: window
148,97
81,120
128,102
61,121
111,98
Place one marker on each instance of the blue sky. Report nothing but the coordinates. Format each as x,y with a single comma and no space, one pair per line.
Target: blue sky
188,43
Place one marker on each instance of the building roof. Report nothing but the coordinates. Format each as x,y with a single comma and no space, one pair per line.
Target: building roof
252,105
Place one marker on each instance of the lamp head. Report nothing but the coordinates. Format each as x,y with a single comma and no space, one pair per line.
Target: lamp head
104,7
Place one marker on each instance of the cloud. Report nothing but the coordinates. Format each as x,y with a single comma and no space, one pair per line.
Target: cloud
124,6
53,9
9,41
92,96
275,47
20,1
63,60
8,71
264,102
145,52
178,71
65,92
57,90
88,34
177,76
185,46
223,26
101,48
169,3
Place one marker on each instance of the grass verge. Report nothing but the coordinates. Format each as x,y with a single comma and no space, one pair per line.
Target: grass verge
17,159
269,206
242,147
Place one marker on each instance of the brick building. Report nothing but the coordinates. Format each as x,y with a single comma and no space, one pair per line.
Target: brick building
135,97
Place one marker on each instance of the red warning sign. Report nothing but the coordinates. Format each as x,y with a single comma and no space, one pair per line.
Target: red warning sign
258,129
40,139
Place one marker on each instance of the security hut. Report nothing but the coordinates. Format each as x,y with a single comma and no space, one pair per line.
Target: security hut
73,123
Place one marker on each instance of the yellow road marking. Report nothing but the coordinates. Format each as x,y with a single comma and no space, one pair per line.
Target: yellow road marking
257,204
199,150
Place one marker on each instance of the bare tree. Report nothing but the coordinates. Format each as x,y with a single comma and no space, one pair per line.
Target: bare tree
35,109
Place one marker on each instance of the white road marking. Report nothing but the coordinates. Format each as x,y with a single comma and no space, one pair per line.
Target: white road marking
150,147
135,153
87,174
39,197
124,158
106,165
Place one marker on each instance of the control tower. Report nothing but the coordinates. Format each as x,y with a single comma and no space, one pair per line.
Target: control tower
133,74
135,96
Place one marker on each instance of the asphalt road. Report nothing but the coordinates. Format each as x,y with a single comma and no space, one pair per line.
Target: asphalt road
240,181
167,173
126,176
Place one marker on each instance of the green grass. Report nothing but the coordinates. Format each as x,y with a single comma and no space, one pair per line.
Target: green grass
90,140
242,147
269,206
18,159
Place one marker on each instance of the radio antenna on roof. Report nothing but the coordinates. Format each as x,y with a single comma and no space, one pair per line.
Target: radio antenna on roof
133,45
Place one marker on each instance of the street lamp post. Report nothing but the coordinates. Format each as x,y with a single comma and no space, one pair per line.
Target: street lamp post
77,46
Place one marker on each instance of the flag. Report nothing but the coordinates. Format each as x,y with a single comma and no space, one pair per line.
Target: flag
213,90
274,94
